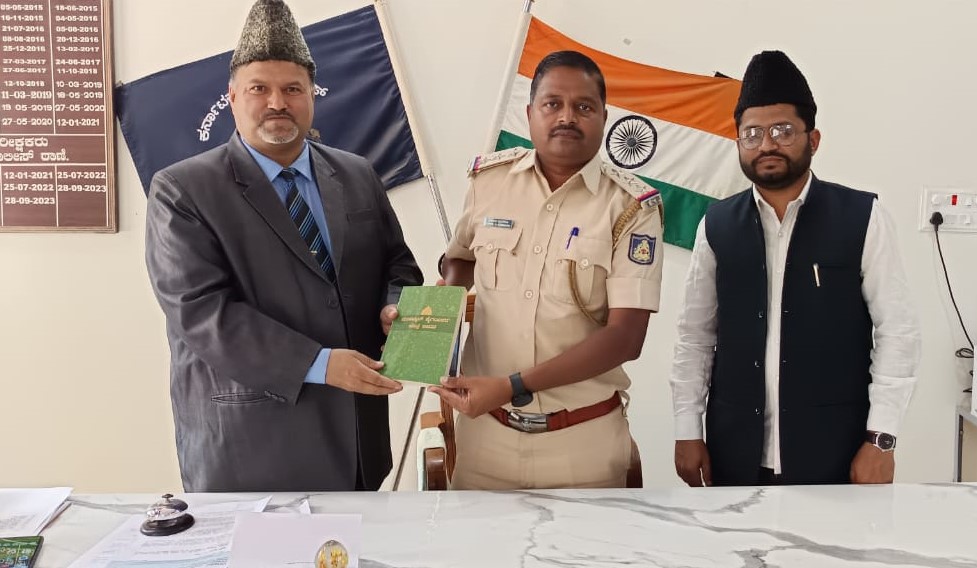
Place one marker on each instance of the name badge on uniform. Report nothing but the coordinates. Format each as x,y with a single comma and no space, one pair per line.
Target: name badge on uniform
642,249
500,223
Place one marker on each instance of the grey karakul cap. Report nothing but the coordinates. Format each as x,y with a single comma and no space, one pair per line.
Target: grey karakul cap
271,34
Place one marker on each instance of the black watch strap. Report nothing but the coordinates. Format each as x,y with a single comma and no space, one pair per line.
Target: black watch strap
518,387
881,440
521,396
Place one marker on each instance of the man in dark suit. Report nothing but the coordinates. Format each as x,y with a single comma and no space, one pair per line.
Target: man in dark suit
797,339
277,262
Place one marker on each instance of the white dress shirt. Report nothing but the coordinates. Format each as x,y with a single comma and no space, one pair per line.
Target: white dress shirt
895,355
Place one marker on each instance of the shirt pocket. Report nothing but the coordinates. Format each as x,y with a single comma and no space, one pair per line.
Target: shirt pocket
831,274
593,258
496,266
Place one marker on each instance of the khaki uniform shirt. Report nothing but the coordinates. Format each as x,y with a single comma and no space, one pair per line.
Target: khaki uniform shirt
517,232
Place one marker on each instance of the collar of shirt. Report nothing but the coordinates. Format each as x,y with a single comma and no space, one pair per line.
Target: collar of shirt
589,173
271,168
761,203
305,182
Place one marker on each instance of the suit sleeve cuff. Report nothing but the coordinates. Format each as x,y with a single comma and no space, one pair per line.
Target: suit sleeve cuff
317,372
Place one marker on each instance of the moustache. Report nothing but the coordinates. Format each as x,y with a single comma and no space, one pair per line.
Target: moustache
769,155
569,127
283,114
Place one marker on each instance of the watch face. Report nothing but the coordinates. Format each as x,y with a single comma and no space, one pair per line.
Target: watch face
522,399
886,441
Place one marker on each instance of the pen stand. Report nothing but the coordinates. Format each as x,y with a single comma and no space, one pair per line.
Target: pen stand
166,517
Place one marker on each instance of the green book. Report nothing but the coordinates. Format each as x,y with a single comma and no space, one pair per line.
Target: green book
422,339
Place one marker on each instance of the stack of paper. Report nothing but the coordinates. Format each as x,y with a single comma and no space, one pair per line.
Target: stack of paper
25,512
206,544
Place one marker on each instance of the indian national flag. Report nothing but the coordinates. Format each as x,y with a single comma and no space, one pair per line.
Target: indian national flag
673,130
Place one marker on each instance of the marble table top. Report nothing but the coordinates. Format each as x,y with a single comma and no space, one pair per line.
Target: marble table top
797,527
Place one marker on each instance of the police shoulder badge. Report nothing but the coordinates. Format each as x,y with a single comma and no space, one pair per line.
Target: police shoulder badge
642,249
484,162
647,195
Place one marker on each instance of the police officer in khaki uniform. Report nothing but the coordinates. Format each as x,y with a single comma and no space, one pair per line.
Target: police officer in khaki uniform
565,253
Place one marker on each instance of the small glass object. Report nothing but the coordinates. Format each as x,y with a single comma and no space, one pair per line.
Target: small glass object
332,554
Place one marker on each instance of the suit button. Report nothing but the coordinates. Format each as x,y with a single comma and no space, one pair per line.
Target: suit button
756,364
529,294
760,314
333,303
756,411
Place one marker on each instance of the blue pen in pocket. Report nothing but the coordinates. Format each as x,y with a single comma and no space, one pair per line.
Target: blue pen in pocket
573,232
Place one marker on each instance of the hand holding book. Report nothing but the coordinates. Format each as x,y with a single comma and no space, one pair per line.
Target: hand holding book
422,338
474,396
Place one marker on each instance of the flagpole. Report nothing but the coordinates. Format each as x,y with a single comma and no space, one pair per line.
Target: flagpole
510,75
383,17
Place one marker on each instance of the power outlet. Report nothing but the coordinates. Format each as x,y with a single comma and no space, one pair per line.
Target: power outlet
958,207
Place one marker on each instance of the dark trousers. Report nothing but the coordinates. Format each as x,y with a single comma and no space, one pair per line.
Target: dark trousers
766,476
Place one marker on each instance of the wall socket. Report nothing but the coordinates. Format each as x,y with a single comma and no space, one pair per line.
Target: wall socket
958,207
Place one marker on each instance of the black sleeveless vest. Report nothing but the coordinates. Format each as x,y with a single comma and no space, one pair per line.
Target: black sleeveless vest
825,343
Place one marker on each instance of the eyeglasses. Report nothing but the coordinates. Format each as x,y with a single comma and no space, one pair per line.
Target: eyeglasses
780,134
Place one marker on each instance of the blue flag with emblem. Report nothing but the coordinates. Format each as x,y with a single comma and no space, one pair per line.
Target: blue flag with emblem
174,114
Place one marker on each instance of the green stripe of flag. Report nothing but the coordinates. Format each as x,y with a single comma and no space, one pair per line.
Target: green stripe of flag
509,140
683,207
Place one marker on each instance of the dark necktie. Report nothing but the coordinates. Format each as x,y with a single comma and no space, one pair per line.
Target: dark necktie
302,216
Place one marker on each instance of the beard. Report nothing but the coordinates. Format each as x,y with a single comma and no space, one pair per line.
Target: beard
279,136
278,133
779,178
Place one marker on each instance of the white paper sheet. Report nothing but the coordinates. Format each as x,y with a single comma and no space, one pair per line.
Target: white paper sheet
272,540
25,512
302,508
206,544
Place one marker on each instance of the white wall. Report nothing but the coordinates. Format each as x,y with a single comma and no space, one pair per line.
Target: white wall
83,358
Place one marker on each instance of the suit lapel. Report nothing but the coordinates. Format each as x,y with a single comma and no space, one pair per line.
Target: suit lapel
331,191
259,192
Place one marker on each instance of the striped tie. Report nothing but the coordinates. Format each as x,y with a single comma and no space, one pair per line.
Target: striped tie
302,216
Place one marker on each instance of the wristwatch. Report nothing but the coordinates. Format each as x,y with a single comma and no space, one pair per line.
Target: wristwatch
521,396
881,440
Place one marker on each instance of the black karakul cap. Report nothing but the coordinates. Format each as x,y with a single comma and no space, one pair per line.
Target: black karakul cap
772,78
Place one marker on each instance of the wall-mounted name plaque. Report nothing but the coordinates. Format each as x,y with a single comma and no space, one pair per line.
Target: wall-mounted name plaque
57,143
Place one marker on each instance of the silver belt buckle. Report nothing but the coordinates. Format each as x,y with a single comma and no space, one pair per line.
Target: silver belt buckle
527,422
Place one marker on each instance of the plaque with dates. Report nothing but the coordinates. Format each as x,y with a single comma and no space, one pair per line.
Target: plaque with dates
57,133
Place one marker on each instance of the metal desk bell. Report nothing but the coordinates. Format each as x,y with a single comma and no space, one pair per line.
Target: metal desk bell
166,516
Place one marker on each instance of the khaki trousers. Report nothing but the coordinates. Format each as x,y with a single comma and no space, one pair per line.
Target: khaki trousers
491,456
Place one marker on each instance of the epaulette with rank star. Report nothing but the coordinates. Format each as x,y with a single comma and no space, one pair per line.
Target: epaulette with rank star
483,162
646,194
